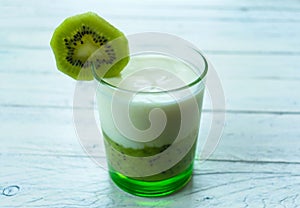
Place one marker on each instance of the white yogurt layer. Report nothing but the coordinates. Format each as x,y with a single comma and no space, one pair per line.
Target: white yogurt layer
150,82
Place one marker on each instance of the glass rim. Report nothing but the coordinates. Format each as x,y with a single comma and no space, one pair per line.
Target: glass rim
189,85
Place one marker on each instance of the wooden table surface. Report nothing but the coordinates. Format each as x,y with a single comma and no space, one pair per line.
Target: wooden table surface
255,48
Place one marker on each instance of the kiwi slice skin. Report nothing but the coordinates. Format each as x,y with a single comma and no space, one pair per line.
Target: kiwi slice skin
77,38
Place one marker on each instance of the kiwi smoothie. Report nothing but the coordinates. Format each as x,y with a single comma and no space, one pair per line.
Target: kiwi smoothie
169,155
150,112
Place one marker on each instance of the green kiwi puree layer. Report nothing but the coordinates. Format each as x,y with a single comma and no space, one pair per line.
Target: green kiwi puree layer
117,158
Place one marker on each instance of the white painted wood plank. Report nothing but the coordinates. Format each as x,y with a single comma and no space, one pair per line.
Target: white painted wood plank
228,64
211,35
246,137
57,181
257,137
157,11
38,130
265,94
231,5
15,60
211,29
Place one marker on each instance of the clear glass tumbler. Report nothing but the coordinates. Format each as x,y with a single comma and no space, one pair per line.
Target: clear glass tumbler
150,114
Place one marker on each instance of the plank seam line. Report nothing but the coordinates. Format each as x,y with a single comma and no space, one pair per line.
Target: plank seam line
254,161
209,160
230,111
213,52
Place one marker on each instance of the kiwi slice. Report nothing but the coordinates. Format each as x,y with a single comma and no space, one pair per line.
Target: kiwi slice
86,45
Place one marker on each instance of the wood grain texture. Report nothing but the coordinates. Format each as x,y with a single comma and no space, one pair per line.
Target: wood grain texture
63,181
255,48
267,82
247,136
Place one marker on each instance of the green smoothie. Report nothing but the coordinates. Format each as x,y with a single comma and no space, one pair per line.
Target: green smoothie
151,82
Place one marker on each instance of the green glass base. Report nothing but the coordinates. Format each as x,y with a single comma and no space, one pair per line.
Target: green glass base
152,188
